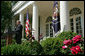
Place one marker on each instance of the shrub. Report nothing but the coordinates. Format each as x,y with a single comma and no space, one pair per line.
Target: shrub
3,42
73,46
13,41
25,43
66,35
52,46
14,49
25,48
36,48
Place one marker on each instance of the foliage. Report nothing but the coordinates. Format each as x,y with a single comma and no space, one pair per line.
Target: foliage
6,14
66,35
36,48
25,48
3,42
14,2
14,49
52,46
61,45
13,41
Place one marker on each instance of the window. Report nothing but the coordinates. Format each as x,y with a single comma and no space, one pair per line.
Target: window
75,25
71,24
49,30
75,20
78,25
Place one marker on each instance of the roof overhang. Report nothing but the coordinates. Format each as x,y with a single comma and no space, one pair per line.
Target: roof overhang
21,5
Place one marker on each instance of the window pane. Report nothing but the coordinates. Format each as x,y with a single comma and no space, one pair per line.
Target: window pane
77,31
76,23
71,20
51,30
71,24
77,27
47,30
76,19
72,28
79,19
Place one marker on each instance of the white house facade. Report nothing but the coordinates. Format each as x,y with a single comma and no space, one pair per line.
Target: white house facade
40,12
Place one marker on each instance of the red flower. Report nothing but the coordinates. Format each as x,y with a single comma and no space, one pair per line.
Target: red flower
67,42
64,47
78,48
75,49
76,38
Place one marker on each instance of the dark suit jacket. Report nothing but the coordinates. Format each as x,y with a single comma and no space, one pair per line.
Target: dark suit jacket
18,31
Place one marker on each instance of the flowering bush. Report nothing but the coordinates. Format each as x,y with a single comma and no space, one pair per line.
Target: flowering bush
66,35
67,42
64,46
75,49
76,38
73,46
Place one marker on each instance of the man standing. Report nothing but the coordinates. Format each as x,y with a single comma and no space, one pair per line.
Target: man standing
18,32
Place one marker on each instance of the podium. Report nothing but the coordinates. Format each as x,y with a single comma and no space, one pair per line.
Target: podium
8,37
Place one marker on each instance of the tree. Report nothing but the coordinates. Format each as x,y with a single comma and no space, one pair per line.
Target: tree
6,14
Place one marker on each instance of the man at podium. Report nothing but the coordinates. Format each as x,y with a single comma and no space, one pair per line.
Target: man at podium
18,32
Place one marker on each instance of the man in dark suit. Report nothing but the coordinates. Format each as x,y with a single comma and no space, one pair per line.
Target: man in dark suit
18,32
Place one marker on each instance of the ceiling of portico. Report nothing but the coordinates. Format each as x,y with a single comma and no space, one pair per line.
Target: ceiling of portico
45,8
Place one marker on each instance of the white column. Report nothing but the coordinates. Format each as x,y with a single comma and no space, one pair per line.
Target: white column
64,16
21,18
83,26
35,21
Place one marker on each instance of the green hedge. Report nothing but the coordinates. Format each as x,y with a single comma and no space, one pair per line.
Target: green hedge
3,42
36,48
52,46
25,48
14,49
